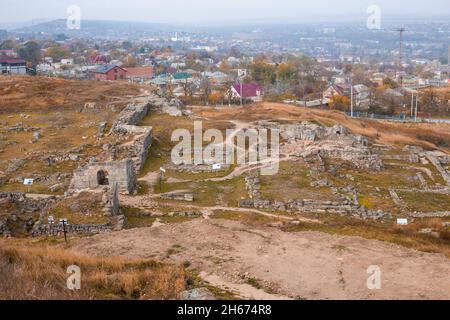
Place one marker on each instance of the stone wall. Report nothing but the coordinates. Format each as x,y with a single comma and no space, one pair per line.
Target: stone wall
437,163
127,124
313,206
139,149
193,168
111,200
442,214
131,115
19,211
58,230
189,197
309,139
117,172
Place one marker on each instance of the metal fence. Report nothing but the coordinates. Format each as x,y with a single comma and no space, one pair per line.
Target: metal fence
401,117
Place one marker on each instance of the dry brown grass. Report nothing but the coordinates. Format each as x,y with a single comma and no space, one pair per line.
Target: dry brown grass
39,273
54,107
405,236
430,136
41,93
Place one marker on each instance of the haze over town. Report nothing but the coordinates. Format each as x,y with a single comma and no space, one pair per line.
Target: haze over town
260,150
218,11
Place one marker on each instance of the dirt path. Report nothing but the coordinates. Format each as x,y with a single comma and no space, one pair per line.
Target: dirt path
238,171
309,265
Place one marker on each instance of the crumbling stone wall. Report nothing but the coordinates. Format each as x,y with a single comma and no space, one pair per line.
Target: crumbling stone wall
138,150
111,200
253,184
441,214
58,230
437,163
178,196
306,139
19,212
126,124
131,116
315,206
116,172
123,172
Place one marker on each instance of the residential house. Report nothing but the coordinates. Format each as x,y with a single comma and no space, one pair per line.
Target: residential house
8,52
139,74
110,73
216,78
248,91
378,78
361,92
99,59
10,65
67,62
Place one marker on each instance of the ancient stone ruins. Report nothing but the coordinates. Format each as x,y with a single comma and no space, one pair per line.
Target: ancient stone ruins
114,171
124,161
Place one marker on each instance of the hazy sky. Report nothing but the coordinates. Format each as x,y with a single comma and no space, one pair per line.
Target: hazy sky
185,11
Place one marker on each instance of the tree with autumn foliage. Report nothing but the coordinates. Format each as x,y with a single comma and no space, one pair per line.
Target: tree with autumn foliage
339,102
215,98
129,62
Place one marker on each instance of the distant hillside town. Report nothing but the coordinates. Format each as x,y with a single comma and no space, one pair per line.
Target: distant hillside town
345,67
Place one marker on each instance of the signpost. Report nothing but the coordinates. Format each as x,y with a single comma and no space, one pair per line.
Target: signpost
28,183
64,222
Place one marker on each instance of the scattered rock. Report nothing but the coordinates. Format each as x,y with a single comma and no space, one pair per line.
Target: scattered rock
198,294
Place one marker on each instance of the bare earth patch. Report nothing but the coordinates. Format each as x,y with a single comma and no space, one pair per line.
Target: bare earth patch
311,265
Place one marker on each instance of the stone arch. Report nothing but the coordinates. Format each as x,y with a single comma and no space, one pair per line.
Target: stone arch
102,178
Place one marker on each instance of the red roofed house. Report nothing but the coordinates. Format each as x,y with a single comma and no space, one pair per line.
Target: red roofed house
99,59
248,91
10,65
110,73
138,74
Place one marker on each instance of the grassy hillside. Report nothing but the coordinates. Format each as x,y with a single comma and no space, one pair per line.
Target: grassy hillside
39,272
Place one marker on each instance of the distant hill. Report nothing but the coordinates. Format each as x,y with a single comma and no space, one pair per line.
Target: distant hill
92,28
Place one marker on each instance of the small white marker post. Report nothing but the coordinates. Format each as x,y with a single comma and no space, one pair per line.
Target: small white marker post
28,183
162,171
216,168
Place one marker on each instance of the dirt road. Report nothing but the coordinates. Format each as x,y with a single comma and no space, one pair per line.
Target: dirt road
307,265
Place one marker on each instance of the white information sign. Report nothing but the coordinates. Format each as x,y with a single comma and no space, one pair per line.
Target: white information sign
28,182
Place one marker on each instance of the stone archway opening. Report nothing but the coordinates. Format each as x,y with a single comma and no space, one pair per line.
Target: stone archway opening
102,178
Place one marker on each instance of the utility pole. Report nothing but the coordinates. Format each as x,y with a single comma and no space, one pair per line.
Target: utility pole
412,104
417,107
400,65
242,93
351,96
